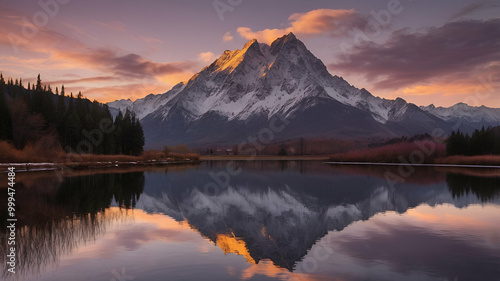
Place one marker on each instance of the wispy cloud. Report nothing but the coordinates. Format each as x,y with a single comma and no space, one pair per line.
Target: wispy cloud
470,8
79,30
128,66
316,22
82,80
113,25
117,26
106,65
227,37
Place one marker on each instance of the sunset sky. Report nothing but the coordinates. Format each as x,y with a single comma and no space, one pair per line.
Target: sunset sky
440,52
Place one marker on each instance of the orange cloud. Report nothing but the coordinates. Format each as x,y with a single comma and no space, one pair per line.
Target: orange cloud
265,268
149,228
266,35
315,22
268,269
96,79
116,72
439,89
110,93
207,57
227,37
30,62
451,217
175,78
442,92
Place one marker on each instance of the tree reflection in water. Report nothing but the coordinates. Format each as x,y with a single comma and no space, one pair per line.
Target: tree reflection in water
55,218
485,188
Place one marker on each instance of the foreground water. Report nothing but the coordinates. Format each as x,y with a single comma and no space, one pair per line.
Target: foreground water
266,220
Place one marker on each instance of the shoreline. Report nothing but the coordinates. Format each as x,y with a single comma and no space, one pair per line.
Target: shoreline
417,165
91,165
46,166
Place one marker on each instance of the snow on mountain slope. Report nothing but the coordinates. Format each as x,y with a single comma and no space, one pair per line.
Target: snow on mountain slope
382,110
258,79
144,106
254,80
122,104
466,112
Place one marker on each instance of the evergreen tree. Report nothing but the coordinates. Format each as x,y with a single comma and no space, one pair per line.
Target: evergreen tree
109,140
71,104
73,129
482,142
138,137
61,116
451,144
36,102
5,115
118,133
38,88
128,132
40,112
48,107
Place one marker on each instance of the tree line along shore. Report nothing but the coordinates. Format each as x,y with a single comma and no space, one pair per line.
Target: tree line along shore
40,124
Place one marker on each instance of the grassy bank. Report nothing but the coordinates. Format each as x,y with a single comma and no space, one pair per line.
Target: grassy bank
395,153
483,160
37,157
401,153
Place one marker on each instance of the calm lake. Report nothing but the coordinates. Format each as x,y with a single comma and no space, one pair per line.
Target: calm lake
261,220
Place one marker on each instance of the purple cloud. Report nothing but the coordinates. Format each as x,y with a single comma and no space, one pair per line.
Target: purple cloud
455,49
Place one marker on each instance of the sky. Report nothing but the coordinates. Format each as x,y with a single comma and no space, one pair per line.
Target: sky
426,52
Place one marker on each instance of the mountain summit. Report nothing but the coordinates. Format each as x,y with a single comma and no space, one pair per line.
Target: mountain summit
239,93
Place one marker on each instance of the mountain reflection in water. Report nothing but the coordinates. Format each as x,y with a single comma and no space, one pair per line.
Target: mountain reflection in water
272,213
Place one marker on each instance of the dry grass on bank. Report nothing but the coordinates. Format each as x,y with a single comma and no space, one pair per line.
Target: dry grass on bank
184,156
39,153
485,160
392,153
36,153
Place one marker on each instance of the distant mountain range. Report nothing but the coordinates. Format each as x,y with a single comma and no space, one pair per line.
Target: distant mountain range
239,93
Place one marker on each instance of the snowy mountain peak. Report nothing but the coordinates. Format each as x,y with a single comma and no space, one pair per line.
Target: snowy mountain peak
288,36
251,43
230,60
263,79
260,81
277,44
